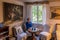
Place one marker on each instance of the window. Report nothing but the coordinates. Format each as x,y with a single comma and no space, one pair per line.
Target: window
37,14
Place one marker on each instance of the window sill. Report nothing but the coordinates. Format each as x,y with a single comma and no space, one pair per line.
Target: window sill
36,23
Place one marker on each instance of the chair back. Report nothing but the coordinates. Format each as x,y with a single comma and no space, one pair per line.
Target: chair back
46,28
49,28
58,31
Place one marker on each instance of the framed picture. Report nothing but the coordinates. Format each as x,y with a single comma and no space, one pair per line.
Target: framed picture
12,12
55,12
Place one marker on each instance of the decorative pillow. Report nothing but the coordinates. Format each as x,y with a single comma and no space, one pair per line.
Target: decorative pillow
20,30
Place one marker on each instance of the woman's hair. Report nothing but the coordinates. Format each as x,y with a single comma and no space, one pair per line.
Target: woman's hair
28,18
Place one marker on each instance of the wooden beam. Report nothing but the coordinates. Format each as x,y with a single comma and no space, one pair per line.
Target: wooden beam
53,0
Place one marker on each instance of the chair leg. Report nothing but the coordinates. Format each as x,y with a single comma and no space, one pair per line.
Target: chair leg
15,38
43,38
23,38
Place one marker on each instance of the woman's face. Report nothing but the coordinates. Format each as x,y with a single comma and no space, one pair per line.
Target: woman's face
28,20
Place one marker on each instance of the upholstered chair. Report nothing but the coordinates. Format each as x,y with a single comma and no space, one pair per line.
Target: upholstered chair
19,34
46,33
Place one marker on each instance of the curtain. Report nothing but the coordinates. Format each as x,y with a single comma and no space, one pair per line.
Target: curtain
29,12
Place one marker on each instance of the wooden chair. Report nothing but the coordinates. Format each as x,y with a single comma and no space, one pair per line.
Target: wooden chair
58,31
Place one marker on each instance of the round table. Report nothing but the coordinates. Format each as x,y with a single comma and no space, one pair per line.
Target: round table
33,31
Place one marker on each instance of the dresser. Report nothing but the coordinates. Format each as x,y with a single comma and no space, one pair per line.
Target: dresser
4,32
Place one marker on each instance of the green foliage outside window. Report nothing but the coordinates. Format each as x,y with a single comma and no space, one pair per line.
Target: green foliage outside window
37,13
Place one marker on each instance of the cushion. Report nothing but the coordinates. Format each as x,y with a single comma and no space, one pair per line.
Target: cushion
47,35
19,29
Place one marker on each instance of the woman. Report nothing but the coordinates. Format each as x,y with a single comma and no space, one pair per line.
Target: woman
28,24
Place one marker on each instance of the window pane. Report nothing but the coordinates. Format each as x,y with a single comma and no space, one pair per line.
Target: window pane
34,12
40,13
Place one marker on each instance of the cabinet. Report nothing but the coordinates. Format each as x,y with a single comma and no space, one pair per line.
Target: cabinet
4,31
11,25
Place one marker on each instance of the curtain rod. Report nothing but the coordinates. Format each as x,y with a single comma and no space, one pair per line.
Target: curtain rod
41,2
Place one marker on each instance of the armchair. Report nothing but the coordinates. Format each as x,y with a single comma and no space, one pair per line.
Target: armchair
19,34
46,33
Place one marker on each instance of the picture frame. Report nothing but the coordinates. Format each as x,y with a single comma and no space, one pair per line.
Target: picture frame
12,12
55,12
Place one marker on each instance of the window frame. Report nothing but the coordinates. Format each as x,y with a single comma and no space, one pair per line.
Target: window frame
37,15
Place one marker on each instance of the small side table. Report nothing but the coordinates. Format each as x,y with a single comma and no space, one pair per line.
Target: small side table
33,31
